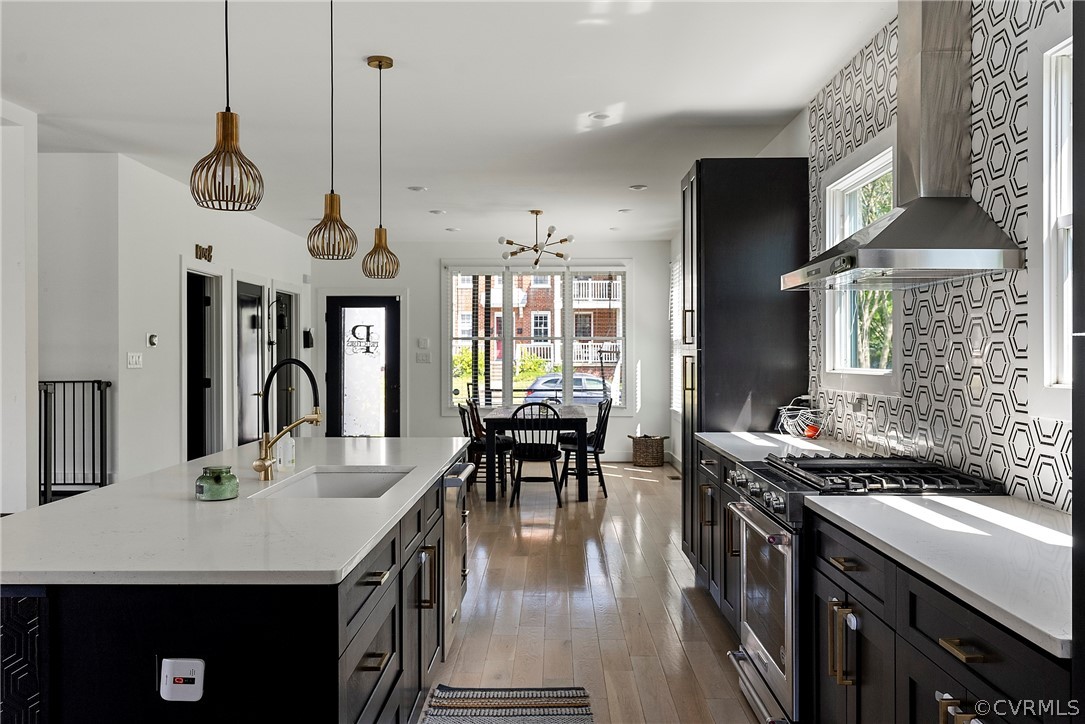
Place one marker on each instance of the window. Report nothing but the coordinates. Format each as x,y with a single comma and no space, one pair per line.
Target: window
676,333
1059,219
860,333
577,325
540,280
582,324
540,325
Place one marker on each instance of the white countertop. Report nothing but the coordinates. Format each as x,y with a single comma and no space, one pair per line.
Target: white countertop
152,530
1005,556
754,446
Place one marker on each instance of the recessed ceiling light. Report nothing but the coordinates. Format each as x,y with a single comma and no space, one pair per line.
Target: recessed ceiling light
417,188
599,116
625,211
614,228
438,211
638,187
452,228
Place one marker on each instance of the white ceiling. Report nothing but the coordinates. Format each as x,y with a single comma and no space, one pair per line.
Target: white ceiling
486,105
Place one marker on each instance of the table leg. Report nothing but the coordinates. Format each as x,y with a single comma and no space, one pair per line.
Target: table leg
582,460
491,473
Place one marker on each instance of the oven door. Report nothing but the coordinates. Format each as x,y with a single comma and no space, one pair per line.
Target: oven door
767,616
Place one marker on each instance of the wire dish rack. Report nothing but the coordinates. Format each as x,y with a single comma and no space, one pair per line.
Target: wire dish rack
800,420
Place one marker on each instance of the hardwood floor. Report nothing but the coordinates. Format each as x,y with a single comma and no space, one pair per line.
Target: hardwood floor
595,594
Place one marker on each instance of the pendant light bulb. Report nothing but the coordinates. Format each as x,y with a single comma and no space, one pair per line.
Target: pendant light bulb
225,179
332,239
381,262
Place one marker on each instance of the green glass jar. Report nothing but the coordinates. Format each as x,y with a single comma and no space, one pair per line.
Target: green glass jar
216,483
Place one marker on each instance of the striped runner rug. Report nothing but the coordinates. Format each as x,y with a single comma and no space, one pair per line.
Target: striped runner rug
556,705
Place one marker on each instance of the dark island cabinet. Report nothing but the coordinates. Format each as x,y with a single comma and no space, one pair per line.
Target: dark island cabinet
886,645
362,650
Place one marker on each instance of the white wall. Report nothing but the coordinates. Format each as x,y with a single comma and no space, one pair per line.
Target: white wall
420,273
121,237
18,313
77,280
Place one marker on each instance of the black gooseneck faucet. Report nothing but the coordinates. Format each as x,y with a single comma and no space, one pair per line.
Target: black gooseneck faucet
265,463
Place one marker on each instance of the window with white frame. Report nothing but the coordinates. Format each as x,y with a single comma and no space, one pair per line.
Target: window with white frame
575,321
582,324
859,336
540,280
676,333
1058,216
463,329
540,325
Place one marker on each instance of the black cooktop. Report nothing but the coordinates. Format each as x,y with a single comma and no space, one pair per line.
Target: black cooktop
871,475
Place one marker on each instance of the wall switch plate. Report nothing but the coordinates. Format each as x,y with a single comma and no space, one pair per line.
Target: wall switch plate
181,680
423,357
423,343
135,360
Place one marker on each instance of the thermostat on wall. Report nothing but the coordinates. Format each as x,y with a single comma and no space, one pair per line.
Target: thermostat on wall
182,679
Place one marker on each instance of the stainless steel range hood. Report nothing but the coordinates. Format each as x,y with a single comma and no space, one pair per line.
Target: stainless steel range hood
936,231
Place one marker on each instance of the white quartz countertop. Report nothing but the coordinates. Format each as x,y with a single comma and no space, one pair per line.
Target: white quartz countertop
754,446
152,530
1005,556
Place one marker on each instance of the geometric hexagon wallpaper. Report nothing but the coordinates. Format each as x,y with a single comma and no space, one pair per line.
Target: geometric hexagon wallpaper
963,346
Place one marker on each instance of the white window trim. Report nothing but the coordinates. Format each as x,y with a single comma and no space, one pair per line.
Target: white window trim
549,327
1046,397
591,320
881,382
535,284
631,397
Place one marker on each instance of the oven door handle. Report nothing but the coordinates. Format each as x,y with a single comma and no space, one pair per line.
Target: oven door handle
775,539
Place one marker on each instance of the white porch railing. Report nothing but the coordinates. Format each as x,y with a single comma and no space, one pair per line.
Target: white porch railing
587,353
542,350
597,290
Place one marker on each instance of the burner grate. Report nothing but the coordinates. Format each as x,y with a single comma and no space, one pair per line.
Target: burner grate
850,475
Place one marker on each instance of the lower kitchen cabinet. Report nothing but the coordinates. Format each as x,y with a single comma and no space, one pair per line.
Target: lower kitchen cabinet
854,661
728,561
423,607
886,645
713,547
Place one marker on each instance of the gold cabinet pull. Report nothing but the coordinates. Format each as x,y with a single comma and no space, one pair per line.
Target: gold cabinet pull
381,659
842,647
687,374
830,636
375,578
945,703
705,489
956,647
843,564
429,554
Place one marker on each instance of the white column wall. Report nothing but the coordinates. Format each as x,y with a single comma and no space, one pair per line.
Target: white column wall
19,308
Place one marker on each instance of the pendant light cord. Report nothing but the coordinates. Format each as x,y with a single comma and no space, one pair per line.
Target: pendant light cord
331,83
226,25
380,146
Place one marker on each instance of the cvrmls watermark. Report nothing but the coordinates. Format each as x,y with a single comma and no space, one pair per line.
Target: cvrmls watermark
1027,707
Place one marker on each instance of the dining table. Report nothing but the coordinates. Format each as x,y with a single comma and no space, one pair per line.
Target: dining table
570,417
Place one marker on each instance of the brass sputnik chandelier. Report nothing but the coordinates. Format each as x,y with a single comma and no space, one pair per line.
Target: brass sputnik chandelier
538,248
332,238
225,179
381,262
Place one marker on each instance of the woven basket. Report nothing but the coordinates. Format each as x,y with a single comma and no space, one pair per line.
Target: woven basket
647,450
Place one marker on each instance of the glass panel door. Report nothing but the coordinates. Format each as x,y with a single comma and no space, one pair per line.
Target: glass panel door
363,367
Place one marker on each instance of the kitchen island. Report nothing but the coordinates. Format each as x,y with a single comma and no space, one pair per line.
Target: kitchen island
322,602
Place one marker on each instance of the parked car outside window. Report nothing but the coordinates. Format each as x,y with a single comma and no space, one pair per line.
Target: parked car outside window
587,389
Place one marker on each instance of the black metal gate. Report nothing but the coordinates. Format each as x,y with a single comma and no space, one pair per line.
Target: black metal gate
74,437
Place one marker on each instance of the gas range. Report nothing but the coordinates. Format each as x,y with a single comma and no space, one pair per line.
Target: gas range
778,485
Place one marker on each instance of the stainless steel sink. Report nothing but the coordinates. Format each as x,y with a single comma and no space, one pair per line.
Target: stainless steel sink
356,481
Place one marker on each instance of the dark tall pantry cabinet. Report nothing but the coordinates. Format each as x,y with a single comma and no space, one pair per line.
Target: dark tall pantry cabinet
745,221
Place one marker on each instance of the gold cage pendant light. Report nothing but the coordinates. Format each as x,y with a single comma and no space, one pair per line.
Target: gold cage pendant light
331,238
381,262
225,179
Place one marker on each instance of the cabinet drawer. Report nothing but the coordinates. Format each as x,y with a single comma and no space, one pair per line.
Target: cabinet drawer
433,503
364,586
412,528
708,462
976,651
864,572
370,666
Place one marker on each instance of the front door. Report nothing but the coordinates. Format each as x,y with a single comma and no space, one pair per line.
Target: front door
363,367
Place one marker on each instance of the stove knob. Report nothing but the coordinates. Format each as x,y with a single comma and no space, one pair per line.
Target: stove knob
754,486
738,479
778,504
768,498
